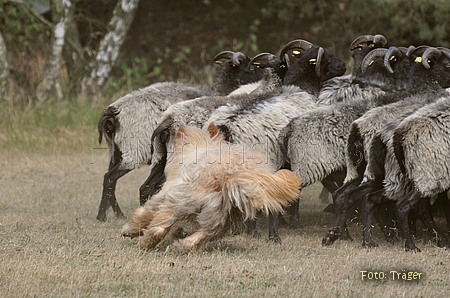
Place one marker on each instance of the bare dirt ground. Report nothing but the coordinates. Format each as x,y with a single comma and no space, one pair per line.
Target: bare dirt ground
51,245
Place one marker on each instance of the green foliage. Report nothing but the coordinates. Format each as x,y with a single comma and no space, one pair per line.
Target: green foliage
53,126
130,73
334,24
20,27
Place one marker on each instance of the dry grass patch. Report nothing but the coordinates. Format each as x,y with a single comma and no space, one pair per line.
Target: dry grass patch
52,245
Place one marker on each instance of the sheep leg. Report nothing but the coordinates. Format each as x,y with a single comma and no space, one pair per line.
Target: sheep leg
108,193
294,221
153,183
342,201
424,212
370,201
385,216
273,227
412,222
402,209
251,228
331,183
443,203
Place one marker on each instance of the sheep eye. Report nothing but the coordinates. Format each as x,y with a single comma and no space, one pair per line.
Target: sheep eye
418,60
312,61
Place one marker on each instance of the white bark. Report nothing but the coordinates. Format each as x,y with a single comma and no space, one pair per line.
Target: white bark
4,65
52,69
111,43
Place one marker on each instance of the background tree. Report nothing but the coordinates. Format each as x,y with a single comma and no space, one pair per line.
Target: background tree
4,66
110,45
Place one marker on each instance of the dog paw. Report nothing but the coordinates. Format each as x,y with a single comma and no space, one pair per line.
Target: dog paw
127,231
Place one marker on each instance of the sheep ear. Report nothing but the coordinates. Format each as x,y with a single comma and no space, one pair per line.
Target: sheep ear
213,130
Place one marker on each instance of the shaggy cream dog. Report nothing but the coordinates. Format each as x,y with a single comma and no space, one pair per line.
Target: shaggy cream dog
212,184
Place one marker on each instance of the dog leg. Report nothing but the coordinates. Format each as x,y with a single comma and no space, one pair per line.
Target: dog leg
191,242
139,221
157,229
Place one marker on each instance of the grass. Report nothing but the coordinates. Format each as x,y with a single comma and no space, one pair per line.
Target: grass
51,245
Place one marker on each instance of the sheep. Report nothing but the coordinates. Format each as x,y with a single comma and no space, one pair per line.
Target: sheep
359,95
389,183
314,142
128,122
337,88
257,122
428,85
164,137
196,112
421,146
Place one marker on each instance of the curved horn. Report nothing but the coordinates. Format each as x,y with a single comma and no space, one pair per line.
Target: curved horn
377,39
391,52
295,44
320,53
370,57
380,39
360,40
444,50
222,55
287,61
238,58
410,50
403,49
262,58
430,52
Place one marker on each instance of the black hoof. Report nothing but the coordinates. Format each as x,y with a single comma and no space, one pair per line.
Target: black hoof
275,239
369,244
330,238
120,215
101,218
412,248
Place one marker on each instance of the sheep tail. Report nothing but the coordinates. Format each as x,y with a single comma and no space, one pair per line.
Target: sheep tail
355,146
283,143
161,134
397,144
378,152
252,191
107,124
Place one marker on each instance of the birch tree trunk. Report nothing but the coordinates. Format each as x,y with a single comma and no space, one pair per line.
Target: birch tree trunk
110,45
4,65
52,69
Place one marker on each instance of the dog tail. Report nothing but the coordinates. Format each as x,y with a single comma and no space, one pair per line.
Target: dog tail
250,191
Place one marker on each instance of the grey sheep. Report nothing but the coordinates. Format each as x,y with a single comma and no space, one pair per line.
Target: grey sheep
128,123
315,142
193,112
421,144
265,94
428,85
